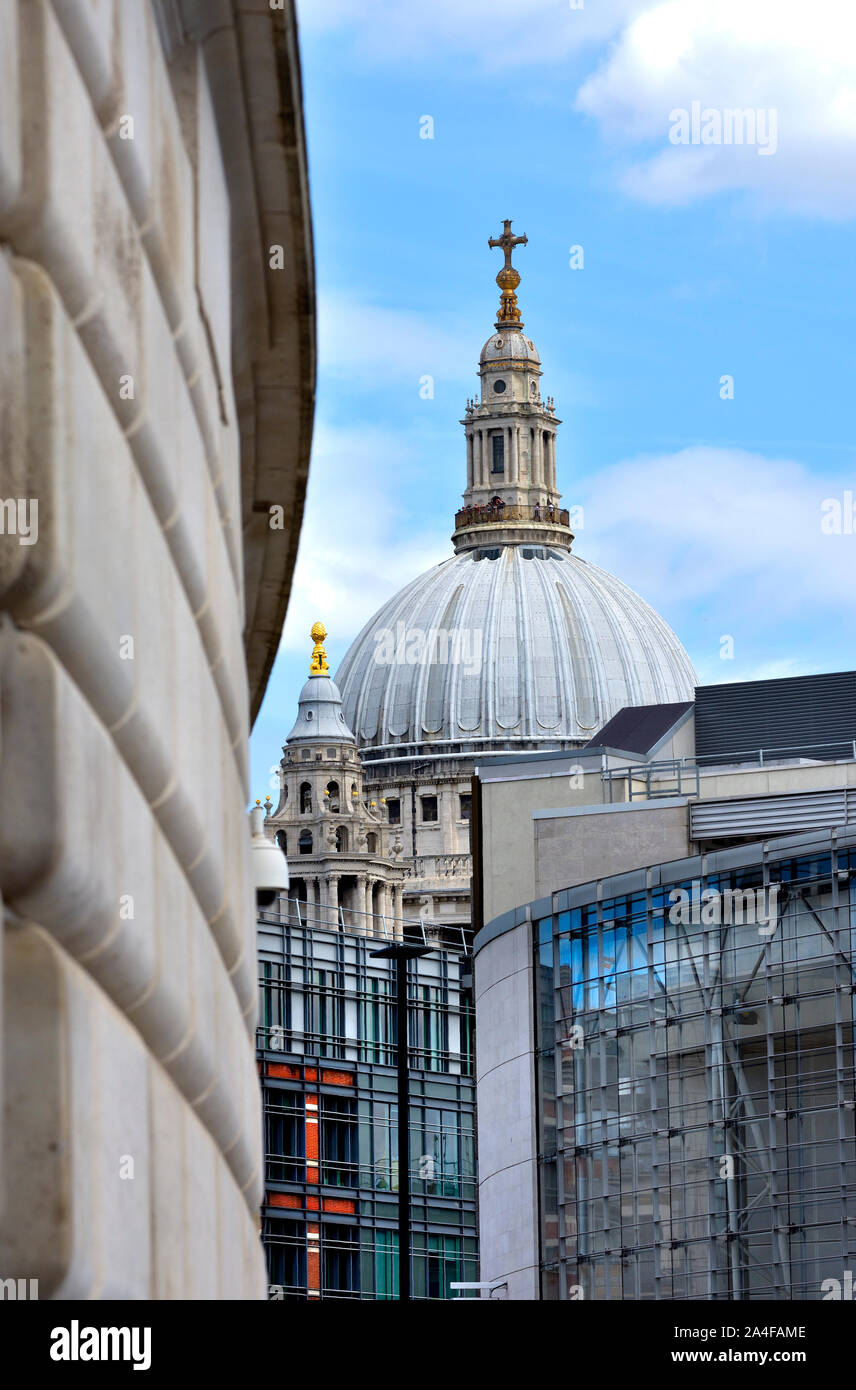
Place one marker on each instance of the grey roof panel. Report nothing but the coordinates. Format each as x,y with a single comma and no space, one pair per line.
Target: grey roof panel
639,728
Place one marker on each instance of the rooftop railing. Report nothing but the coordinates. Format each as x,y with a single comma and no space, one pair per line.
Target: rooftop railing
680,776
843,750
382,927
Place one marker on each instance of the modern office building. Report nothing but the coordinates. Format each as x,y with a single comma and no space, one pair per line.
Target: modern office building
665,1059
157,378
326,1040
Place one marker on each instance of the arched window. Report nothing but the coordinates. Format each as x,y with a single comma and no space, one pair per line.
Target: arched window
282,841
304,844
371,843
332,797
342,840
305,797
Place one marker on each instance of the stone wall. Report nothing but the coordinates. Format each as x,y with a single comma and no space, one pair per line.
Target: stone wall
507,1115
602,840
130,1163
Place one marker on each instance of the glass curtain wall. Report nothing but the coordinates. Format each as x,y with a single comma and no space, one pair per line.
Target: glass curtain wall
696,1084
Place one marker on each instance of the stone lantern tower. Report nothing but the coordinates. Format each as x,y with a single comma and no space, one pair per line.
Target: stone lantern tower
512,494
342,852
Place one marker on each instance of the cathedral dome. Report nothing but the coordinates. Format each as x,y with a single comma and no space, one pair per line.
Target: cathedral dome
319,714
514,643
530,647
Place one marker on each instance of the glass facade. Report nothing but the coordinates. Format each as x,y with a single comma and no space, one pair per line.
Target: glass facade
695,1071
326,1052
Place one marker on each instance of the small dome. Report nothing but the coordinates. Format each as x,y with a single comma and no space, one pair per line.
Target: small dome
531,646
319,714
509,345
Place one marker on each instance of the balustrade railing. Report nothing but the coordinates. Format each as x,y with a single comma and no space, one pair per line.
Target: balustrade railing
491,513
440,866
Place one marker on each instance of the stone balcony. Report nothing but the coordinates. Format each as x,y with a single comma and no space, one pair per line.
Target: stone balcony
482,526
440,868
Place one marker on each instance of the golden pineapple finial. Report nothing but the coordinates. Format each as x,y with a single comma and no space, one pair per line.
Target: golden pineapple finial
318,665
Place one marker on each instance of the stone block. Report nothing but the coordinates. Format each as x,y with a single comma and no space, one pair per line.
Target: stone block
53,218
169,1182
52,862
164,1014
121,1171
213,244
10,109
73,1222
201,1235
15,540
195,510
88,27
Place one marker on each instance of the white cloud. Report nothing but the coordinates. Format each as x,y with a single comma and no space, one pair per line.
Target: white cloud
371,345
495,34
725,532
780,55
357,547
783,55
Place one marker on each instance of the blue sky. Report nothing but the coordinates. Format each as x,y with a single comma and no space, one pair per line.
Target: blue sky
699,261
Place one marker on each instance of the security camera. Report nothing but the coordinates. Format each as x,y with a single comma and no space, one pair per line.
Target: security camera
270,870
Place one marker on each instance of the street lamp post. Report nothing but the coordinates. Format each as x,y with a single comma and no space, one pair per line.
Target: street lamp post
401,953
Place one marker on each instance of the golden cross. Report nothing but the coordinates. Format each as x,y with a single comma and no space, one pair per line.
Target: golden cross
508,242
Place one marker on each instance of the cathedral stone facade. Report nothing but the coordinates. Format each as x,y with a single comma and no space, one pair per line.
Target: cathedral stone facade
345,856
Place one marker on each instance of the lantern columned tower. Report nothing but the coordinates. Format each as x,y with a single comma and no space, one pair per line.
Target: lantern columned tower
512,494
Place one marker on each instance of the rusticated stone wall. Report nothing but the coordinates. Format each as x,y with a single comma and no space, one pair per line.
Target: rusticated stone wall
130,1163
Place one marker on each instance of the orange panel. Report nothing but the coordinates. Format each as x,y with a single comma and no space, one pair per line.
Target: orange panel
342,1204
337,1078
283,1199
312,1137
283,1071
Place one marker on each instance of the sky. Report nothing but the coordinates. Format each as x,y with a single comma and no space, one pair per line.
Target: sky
727,506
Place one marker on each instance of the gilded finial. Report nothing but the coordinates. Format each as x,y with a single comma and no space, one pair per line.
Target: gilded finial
318,665
508,278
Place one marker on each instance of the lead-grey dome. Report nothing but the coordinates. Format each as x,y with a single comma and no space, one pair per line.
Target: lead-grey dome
319,714
509,345
533,647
